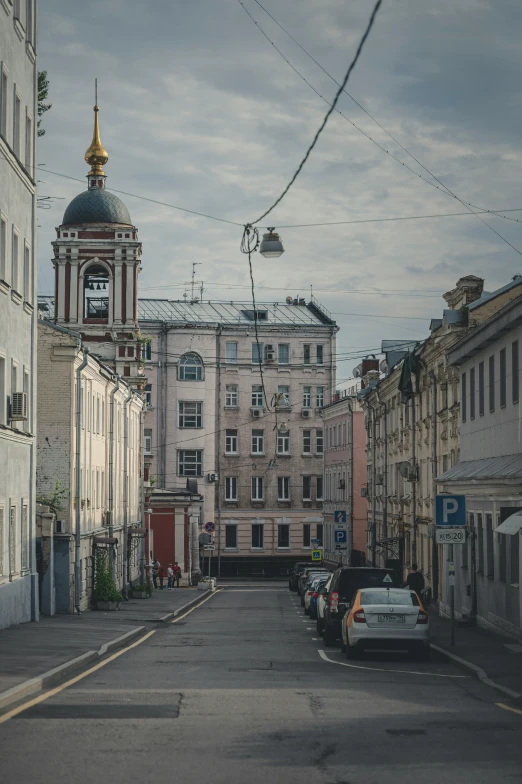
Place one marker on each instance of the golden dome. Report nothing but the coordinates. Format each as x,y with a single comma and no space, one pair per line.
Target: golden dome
96,155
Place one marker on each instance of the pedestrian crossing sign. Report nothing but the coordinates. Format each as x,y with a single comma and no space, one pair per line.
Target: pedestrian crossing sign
317,555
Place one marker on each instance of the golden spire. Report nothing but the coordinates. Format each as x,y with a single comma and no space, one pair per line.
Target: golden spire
96,155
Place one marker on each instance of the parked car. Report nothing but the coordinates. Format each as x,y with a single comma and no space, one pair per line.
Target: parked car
386,618
345,583
315,597
299,567
305,575
305,580
321,603
310,591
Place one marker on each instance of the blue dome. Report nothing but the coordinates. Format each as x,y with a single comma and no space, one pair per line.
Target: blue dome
96,206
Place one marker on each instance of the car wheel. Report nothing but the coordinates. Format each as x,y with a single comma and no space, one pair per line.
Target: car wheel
351,653
319,626
329,637
306,611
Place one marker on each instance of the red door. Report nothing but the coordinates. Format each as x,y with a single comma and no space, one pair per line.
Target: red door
162,523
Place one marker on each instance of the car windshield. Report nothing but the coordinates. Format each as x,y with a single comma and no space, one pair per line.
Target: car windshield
407,598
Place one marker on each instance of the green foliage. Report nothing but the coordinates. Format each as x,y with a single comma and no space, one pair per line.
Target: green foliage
143,588
55,499
43,91
104,587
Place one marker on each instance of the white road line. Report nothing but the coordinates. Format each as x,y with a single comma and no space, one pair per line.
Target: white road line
323,655
316,639
308,628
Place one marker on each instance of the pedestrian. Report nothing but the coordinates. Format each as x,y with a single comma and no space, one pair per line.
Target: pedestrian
177,573
155,569
170,577
161,575
415,580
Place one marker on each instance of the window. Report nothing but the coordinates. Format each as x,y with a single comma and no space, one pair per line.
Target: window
307,397
231,353
190,462
2,513
283,443
147,442
307,442
307,488
146,352
472,393
319,397
258,442
307,535
257,353
3,247
492,383
190,413
15,260
444,463
490,555
463,399
231,395
96,288
231,442
283,536
26,389
25,539
257,395
230,536
503,379
3,103
481,388
29,22
319,442
190,368
148,395
3,400
319,488
258,536
16,124
319,354
514,371
307,354
283,488
480,545
319,534
283,395
258,488
283,353
231,488
27,274
28,143
12,540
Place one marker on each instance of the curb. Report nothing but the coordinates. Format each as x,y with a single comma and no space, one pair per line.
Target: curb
478,671
57,674
169,616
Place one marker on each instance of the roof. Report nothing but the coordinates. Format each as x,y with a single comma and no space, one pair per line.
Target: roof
96,205
511,526
502,468
478,339
487,295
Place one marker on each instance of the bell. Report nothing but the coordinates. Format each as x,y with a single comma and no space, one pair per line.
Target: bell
98,287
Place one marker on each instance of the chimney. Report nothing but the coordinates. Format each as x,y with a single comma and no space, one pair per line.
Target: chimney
466,291
369,364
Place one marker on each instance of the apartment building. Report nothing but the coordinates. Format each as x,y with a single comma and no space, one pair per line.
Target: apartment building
18,119
241,414
88,465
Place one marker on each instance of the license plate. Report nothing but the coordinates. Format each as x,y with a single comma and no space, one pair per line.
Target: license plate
390,618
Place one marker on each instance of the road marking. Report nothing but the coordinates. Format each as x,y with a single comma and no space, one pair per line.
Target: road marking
508,708
308,628
72,681
316,639
323,655
196,606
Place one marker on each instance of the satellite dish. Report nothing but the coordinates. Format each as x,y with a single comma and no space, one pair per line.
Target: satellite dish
383,366
289,300
405,469
357,371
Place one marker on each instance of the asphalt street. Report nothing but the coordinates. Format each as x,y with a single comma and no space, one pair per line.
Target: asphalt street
237,692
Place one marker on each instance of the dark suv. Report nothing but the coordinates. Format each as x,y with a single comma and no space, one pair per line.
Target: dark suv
299,567
345,582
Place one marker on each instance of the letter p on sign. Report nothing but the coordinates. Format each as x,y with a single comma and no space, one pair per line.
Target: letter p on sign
451,510
449,507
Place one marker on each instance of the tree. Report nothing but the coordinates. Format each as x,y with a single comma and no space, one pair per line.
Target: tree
43,91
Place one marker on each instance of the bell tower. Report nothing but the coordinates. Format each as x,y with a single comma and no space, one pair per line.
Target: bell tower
97,262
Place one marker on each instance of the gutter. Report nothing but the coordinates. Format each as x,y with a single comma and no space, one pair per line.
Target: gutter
385,483
78,489
126,493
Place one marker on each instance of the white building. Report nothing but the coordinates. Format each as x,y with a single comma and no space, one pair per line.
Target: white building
18,118
92,473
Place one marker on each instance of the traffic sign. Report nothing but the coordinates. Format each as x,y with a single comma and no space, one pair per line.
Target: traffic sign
317,555
315,541
209,547
451,535
341,536
340,516
210,527
341,546
450,510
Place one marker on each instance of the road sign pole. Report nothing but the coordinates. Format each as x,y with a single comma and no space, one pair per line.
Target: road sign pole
451,574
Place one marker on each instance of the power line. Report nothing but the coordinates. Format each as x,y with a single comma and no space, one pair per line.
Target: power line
375,292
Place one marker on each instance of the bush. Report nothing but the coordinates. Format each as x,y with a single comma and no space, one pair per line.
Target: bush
143,588
104,587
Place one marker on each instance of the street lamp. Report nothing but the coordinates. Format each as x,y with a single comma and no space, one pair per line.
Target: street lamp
271,246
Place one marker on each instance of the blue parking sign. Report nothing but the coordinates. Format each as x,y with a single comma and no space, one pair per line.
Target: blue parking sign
450,510
341,536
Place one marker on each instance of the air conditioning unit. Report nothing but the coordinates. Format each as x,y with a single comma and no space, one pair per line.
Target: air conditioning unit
379,479
212,477
364,492
270,352
306,413
256,412
19,405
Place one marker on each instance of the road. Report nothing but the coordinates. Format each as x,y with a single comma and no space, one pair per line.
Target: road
237,692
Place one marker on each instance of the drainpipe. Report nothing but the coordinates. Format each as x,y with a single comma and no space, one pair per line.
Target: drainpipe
78,489
434,472
144,540
111,468
385,483
350,533
373,546
126,492
218,463
413,555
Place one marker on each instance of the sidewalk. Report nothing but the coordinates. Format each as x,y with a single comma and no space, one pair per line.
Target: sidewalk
499,658
29,650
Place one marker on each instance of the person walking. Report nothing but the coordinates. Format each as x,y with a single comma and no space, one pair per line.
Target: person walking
155,569
177,573
161,575
170,577
415,580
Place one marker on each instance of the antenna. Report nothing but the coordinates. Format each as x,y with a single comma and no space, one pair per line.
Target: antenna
194,265
96,92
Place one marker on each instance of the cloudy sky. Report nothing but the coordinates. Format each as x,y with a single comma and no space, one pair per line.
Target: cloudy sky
199,110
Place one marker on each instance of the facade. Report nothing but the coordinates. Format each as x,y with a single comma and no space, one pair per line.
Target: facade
256,454
98,497
344,478
18,120
489,473
173,518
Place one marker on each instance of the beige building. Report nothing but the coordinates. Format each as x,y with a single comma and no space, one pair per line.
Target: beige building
88,464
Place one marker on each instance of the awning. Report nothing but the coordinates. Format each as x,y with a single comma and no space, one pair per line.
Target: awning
511,526
105,540
507,467
138,532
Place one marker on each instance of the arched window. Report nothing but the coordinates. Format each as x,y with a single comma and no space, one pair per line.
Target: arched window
190,368
96,293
